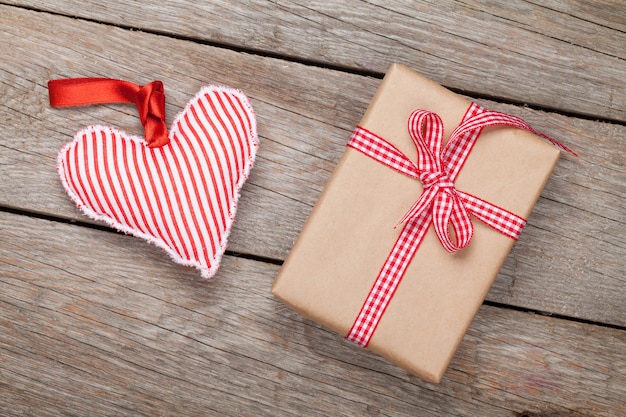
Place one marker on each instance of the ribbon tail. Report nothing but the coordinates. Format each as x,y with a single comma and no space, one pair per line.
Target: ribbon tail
421,205
556,143
494,118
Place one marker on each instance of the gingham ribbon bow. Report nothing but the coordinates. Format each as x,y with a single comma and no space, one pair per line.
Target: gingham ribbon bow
438,168
441,203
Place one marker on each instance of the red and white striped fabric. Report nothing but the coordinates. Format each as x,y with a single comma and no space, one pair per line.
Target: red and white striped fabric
181,196
441,204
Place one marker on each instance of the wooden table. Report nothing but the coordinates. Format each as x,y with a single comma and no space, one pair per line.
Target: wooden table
93,322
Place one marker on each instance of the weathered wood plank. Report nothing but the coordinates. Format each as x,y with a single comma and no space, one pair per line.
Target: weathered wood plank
562,55
570,259
86,333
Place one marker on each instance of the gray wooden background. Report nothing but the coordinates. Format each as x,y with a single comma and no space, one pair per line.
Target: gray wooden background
93,322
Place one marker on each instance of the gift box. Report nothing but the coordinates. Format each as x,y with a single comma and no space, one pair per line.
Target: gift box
373,267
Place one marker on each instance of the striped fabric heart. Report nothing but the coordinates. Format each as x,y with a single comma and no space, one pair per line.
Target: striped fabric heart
181,196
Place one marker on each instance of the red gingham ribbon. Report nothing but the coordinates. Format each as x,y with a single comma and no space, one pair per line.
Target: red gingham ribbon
440,204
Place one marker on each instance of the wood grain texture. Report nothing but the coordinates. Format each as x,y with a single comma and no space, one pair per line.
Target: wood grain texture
93,322
569,261
562,55
86,333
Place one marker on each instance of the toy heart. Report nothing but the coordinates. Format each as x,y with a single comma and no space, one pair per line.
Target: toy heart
181,196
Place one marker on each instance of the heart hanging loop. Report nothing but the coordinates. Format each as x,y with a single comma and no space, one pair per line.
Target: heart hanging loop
149,99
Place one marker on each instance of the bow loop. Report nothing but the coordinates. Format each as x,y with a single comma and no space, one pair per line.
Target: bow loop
426,130
449,212
439,198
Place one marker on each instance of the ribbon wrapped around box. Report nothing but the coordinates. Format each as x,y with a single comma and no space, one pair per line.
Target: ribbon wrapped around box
415,222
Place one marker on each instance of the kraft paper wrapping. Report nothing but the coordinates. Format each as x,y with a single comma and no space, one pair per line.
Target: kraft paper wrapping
350,231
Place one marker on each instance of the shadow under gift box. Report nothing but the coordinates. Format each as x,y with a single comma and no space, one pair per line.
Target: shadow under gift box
351,230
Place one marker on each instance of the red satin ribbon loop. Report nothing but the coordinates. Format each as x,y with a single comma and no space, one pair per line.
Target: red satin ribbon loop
149,99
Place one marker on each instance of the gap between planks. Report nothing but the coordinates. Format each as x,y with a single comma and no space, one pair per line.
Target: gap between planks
322,65
279,262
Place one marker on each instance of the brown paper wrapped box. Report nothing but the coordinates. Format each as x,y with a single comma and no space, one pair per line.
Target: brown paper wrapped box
351,230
